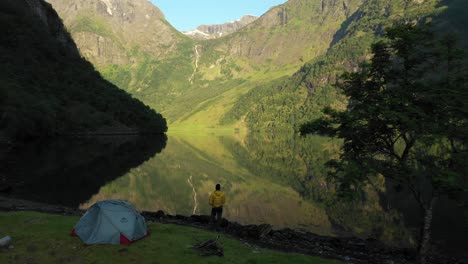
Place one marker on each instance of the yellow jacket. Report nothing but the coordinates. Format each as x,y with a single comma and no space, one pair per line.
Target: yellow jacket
217,199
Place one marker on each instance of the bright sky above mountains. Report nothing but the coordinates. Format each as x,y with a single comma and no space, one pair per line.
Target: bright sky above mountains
189,14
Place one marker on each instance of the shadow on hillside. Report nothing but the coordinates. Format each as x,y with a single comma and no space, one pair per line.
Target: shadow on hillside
69,171
344,29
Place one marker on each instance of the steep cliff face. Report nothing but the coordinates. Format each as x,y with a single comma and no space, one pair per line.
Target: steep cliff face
219,30
46,87
111,31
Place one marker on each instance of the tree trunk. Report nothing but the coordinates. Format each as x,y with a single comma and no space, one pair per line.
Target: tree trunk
426,232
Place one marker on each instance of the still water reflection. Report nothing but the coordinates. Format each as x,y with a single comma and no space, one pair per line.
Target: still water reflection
257,181
69,171
277,180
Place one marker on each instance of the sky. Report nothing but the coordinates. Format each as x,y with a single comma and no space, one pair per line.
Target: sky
189,14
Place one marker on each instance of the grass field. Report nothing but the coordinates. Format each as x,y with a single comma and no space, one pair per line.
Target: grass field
44,238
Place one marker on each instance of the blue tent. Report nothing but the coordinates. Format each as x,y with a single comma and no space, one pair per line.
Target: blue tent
111,222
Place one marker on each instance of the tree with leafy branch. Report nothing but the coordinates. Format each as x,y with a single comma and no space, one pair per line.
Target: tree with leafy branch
406,121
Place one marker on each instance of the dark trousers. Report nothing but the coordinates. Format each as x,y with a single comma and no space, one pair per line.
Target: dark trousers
216,215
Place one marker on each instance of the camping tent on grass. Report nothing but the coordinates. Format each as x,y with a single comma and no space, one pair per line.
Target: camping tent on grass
111,222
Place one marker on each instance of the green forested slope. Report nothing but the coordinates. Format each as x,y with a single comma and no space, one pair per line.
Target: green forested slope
46,88
285,105
265,97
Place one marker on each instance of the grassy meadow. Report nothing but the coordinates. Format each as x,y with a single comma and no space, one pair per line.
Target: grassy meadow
44,238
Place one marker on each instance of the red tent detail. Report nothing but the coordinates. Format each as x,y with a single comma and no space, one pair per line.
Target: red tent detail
124,240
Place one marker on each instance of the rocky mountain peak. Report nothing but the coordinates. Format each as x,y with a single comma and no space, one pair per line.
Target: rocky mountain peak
124,11
107,31
220,30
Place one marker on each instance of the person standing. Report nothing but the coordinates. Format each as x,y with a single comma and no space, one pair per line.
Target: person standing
217,200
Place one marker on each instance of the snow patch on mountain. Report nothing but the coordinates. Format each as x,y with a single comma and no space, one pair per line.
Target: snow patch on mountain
195,32
217,31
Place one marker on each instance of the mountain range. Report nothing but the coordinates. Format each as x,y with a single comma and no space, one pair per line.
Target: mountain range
270,75
273,73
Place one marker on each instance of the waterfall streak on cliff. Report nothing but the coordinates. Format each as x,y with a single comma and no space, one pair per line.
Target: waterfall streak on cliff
195,201
197,56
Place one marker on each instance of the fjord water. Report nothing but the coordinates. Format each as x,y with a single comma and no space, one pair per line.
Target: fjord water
260,178
274,179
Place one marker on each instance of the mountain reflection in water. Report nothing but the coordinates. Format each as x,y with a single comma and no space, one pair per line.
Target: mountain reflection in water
180,179
69,171
280,180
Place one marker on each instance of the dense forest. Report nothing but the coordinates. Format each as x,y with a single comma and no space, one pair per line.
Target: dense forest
284,104
47,89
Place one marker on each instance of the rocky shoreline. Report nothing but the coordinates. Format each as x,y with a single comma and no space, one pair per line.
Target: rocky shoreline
346,249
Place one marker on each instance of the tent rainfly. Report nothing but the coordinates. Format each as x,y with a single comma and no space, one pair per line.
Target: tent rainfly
111,222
